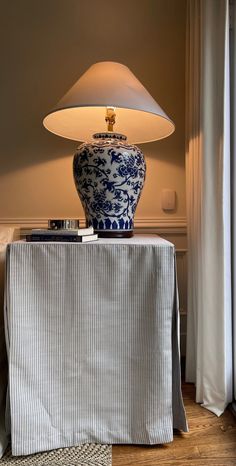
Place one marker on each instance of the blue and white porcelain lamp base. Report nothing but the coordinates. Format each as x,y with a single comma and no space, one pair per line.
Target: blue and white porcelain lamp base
109,176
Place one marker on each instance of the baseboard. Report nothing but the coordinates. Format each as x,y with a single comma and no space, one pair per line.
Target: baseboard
232,408
183,364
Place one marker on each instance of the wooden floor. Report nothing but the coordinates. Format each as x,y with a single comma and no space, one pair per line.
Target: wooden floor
211,441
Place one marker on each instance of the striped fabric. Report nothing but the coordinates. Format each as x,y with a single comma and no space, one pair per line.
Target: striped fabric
6,236
92,343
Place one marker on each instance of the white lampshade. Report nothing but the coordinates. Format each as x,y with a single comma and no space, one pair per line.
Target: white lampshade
81,112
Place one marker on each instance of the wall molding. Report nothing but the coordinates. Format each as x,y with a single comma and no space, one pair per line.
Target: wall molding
176,225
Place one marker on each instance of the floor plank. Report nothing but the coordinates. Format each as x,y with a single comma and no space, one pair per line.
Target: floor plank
210,441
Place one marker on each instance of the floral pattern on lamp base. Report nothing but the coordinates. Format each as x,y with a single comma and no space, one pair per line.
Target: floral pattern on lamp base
109,176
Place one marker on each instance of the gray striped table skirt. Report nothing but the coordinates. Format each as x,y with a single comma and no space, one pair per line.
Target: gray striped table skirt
92,337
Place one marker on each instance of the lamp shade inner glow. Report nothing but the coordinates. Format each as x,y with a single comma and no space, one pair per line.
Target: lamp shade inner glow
81,112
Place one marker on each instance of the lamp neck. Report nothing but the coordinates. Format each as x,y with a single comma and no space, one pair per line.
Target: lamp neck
110,118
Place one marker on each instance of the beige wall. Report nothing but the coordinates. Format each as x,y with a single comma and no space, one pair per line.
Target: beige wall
45,46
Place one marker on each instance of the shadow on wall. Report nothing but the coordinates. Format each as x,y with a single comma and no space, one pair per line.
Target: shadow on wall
47,45
13,160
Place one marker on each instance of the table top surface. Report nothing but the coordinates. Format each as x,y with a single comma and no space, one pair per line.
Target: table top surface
137,240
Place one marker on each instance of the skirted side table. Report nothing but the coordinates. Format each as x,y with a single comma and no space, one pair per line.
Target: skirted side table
92,337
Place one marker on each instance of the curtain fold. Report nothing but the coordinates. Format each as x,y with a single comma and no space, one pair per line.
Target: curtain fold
209,333
233,171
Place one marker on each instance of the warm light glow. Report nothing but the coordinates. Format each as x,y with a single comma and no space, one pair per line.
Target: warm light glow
80,113
80,123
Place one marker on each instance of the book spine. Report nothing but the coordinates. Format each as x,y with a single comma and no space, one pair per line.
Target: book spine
54,238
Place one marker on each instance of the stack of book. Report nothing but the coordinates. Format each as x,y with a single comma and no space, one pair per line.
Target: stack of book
80,235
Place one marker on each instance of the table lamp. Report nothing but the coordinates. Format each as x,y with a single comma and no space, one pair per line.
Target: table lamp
109,171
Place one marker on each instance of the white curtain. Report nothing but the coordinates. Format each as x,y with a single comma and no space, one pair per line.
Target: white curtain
233,171
209,335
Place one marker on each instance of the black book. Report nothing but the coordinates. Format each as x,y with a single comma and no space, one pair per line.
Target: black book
60,238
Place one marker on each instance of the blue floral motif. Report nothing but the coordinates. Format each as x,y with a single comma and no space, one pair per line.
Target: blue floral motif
127,170
109,176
